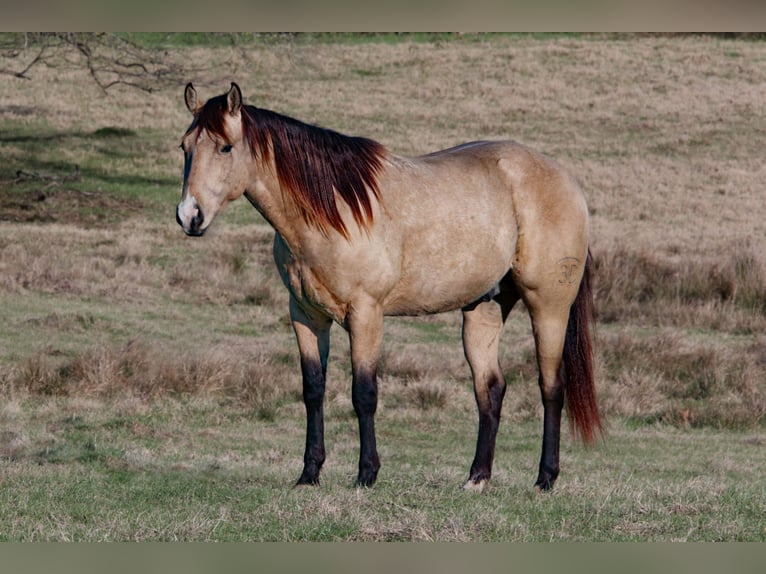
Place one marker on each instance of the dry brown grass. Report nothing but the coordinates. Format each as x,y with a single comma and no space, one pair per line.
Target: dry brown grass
725,294
663,133
672,339
258,382
659,129
677,380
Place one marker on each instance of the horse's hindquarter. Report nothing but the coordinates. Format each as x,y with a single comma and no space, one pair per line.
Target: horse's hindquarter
552,222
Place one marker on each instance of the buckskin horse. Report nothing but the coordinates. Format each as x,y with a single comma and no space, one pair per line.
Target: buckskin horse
362,233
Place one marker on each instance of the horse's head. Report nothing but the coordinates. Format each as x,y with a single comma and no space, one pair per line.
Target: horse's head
216,159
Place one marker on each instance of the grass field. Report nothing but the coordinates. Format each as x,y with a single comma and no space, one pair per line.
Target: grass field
149,382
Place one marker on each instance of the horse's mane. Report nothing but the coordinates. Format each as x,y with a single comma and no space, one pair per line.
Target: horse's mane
312,163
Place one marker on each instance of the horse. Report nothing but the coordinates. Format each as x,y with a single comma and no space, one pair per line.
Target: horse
362,233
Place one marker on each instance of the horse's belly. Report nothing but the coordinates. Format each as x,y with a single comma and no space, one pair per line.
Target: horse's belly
425,303
439,284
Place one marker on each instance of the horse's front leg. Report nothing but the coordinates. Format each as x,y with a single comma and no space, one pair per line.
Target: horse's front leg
312,331
365,327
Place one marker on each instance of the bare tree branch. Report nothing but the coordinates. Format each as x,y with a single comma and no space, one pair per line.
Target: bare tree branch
23,73
109,59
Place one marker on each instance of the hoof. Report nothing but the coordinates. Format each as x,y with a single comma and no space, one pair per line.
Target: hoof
477,486
307,481
365,482
544,486
546,478
366,478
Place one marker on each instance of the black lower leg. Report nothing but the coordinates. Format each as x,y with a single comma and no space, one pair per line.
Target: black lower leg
313,397
549,459
489,420
364,396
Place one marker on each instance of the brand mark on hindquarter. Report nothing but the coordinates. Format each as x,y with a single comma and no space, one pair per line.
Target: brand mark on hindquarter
567,267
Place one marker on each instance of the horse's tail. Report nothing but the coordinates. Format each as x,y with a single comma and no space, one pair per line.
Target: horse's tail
577,363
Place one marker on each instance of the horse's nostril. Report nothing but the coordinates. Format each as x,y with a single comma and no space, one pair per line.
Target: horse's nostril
197,220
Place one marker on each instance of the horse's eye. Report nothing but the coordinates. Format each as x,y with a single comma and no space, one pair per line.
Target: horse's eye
226,149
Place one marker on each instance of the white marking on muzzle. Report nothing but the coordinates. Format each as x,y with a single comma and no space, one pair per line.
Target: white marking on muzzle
186,211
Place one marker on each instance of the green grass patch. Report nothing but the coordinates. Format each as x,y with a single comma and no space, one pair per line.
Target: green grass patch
214,475
86,178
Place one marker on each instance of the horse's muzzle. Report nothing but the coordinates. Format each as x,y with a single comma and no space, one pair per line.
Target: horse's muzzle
194,228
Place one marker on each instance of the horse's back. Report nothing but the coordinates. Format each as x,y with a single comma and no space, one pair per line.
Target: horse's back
512,172
482,209
497,184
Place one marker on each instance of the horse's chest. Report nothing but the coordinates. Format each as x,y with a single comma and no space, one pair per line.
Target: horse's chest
307,284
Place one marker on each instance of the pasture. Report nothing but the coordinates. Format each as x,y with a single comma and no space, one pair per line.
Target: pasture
149,382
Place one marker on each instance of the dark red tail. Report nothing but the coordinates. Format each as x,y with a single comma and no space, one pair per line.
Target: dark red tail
577,363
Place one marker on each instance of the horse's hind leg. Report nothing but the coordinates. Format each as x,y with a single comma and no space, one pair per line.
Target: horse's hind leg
549,324
313,334
482,324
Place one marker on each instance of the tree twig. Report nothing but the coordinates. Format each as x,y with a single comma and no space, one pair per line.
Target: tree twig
109,59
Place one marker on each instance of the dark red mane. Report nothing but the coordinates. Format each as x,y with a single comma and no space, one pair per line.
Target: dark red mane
312,163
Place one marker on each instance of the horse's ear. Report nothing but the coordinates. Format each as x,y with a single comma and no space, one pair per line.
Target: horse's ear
234,99
190,97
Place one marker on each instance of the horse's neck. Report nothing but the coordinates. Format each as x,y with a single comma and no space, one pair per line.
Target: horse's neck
276,207
280,209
